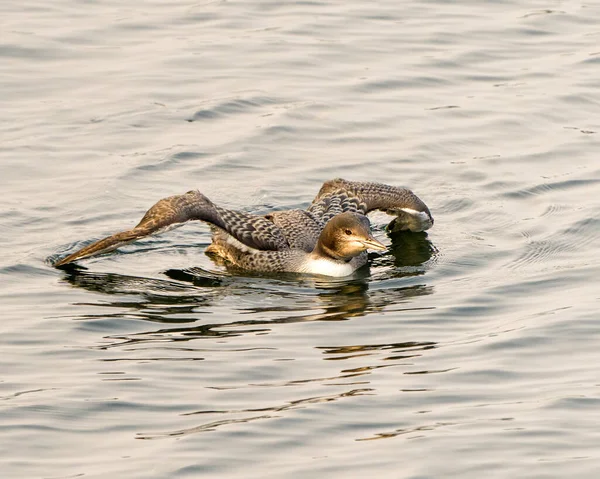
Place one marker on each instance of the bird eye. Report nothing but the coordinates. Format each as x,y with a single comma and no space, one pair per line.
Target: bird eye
348,232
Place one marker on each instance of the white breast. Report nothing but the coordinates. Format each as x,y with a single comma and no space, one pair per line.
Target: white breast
327,267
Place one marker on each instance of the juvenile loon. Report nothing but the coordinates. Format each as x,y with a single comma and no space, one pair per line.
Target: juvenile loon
329,238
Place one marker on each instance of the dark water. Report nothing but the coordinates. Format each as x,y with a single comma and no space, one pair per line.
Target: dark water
468,352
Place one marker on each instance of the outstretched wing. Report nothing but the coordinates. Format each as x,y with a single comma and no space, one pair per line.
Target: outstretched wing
254,231
337,196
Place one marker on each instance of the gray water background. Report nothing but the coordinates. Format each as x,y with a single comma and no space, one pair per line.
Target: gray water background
472,351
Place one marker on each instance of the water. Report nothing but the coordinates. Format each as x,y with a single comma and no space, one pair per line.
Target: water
467,352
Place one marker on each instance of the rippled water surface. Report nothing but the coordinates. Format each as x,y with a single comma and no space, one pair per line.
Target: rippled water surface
470,351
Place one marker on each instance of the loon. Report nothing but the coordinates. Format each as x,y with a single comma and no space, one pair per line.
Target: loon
329,238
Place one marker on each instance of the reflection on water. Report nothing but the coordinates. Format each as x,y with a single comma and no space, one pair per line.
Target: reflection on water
151,299
397,350
414,432
334,305
344,380
411,249
273,412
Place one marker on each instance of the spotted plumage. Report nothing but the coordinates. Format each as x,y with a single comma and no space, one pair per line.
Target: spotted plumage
330,237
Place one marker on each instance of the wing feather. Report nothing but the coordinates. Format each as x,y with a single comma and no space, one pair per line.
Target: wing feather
339,195
252,230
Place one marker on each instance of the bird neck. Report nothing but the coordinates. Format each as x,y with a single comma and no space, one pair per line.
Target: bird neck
324,251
